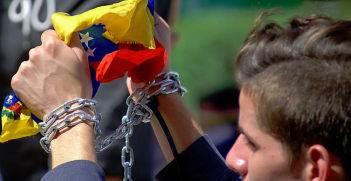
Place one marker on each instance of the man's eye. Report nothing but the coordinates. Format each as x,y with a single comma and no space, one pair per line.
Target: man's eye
250,144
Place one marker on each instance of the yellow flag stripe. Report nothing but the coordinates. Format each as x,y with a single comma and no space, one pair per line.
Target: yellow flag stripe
128,21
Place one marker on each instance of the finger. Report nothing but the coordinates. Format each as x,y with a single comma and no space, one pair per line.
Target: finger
162,33
161,26
16,79
129,85
156,18
156,35
159,20
32,53
48,34
77,46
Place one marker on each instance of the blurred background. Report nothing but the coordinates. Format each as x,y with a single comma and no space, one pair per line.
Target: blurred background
211,32
206,37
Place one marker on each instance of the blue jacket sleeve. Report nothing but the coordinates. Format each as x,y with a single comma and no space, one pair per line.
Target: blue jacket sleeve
1,176
78,170
200,161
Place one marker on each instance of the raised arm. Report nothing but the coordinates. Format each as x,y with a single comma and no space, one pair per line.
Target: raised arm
54,74
180,121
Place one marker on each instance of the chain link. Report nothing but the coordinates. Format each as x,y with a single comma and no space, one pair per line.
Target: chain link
49,127
138,112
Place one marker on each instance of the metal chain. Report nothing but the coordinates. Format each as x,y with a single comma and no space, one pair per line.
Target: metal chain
138,112
49,127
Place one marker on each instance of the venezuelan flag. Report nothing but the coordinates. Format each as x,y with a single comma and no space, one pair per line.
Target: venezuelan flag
16,120
118,39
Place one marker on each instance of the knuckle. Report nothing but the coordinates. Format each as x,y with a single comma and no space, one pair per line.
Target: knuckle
15,82
49,42
20,78
23,69
33,53
49,38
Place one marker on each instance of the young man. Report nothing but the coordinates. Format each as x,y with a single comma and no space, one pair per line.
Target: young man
295,102
291,108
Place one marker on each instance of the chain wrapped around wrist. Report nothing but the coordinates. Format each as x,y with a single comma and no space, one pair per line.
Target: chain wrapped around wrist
51,125
137,112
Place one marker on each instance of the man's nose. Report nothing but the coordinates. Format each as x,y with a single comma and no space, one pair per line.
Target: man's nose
237,158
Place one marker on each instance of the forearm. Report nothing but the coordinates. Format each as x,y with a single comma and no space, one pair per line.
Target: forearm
180,121
74,143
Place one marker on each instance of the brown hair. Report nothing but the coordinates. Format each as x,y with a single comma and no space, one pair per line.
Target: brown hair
299,79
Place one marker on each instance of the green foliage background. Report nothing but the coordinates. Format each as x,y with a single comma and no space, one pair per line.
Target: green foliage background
211,32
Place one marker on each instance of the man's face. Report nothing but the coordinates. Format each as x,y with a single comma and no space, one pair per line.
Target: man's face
257,155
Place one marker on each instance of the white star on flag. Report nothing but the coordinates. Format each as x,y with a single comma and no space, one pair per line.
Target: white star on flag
90,52
85,38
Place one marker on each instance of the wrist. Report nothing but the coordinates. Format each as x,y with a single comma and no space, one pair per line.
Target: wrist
67,116
73,143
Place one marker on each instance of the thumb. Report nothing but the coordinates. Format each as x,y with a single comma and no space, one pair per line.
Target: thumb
77,47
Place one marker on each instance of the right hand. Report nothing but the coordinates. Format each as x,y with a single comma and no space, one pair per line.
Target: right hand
54,74
162,32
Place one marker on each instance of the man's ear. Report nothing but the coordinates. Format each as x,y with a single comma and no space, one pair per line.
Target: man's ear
323,165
